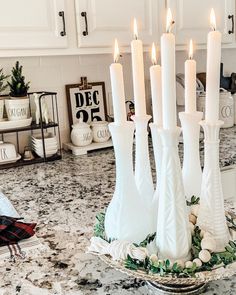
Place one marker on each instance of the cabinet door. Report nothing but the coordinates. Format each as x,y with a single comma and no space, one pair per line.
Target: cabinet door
106,20
28,24
193,19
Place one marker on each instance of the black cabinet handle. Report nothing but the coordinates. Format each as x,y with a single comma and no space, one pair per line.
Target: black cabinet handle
232,18
63,32
84,14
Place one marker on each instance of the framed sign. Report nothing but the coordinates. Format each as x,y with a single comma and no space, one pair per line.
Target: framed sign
86,101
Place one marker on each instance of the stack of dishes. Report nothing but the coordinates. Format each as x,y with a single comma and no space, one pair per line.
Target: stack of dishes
51,145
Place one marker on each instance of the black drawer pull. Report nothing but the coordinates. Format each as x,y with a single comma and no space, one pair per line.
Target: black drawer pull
232,18
63,32
84,14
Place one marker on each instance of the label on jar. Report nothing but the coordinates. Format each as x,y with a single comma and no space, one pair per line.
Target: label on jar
3,154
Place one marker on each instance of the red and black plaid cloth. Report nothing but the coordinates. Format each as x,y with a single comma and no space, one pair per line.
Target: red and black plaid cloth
12,230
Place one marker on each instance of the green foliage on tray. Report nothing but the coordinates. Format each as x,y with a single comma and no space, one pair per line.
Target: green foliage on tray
18,86
194,201
99,228
165,267
150,238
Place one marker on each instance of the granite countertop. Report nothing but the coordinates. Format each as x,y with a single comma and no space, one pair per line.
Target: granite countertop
63,197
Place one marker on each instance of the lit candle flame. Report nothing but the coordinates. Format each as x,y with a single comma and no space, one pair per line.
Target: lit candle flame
169,21
154,54
190,49
135,29
116,51
213,19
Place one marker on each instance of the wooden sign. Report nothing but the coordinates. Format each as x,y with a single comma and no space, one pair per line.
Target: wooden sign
86,101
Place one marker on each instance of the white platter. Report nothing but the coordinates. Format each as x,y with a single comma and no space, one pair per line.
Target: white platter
8,161
15,124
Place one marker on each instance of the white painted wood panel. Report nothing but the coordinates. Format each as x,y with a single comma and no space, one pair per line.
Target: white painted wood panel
193,19
110,19
27,24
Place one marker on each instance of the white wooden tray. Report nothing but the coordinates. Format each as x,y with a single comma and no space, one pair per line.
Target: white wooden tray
83,150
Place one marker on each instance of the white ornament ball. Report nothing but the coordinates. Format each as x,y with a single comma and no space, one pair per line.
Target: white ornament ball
204,255
192,219
188,264
208,244
153,258
198,262
207,235
195,210
180,263
202,233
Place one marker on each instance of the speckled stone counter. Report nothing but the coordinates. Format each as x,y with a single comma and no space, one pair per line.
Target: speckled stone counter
63,198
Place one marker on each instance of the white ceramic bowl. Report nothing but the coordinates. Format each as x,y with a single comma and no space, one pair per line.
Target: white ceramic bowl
50,141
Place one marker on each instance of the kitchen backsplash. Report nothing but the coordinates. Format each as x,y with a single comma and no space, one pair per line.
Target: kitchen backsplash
52,73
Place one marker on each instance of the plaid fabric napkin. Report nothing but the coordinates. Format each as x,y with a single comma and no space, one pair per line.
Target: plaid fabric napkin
12,230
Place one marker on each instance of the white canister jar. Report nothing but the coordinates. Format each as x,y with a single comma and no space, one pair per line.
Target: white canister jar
226,107
100,130
226,112
81,134
17,108
234,98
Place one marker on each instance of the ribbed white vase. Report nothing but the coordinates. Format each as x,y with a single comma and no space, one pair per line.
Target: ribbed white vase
143,175
211,216
157,148
127,216
192,171
173,232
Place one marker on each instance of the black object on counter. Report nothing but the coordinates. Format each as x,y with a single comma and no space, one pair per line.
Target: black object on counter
225,82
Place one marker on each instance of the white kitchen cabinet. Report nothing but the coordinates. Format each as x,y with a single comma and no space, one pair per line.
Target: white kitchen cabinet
228,177
193,19
100,22
32,24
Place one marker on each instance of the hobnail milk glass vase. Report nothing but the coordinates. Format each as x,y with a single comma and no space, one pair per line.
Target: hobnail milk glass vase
127,217
157,148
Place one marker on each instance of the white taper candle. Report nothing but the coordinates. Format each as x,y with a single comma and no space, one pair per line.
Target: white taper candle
156,89
138,74
213,73
168,76
190,82
117,86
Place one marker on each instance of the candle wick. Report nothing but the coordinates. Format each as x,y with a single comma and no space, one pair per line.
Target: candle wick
170,26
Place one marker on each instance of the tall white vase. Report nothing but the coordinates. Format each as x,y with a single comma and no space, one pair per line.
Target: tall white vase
157,148
192,172
173,232
143,175
127,216
211,216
